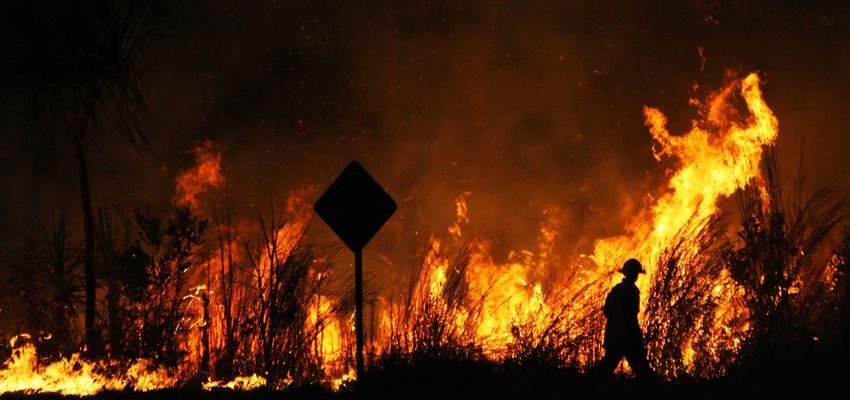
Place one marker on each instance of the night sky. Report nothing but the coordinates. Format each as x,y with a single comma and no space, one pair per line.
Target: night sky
527,105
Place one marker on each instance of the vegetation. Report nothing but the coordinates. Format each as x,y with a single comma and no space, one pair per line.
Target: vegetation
221,299
82,71
217,295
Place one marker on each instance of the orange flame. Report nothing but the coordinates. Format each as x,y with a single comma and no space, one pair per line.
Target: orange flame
74,375
717,157
462,212
204,175
720,154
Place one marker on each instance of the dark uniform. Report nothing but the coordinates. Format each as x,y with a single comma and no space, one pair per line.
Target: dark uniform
623,337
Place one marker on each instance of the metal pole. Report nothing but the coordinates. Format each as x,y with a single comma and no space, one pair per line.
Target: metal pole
358,309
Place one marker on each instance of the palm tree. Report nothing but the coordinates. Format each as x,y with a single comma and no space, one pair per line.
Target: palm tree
43,274
81,63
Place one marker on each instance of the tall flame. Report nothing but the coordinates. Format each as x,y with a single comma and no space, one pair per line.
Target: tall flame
718,156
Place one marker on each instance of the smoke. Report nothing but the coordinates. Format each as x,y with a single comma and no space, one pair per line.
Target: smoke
528,107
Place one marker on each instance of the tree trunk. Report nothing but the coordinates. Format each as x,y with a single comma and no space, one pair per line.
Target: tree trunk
92,337
113,308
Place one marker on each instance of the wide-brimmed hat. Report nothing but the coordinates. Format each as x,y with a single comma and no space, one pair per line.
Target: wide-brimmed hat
632,266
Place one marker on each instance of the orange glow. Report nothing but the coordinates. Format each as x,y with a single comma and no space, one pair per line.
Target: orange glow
206,173
719,155
253,381
535,289
74,375
331,342
462,212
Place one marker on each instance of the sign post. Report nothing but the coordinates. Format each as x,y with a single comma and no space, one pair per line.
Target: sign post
355,207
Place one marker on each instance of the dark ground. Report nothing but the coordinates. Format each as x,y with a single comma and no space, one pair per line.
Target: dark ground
441,379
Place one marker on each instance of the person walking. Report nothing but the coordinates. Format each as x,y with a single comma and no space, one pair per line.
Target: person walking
623,336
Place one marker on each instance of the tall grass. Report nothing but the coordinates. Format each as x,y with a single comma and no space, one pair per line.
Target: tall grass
435,319
683,335
782,259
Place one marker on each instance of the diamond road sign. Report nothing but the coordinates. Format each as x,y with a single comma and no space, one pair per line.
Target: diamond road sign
355,206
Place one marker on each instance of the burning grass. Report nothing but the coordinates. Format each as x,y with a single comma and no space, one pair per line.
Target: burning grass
206,296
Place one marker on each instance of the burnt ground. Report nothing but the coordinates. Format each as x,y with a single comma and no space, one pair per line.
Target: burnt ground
814,377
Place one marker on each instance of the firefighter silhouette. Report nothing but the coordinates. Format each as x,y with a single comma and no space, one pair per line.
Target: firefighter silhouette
623,337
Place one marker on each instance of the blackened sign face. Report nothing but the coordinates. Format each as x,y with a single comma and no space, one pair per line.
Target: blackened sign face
355,206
